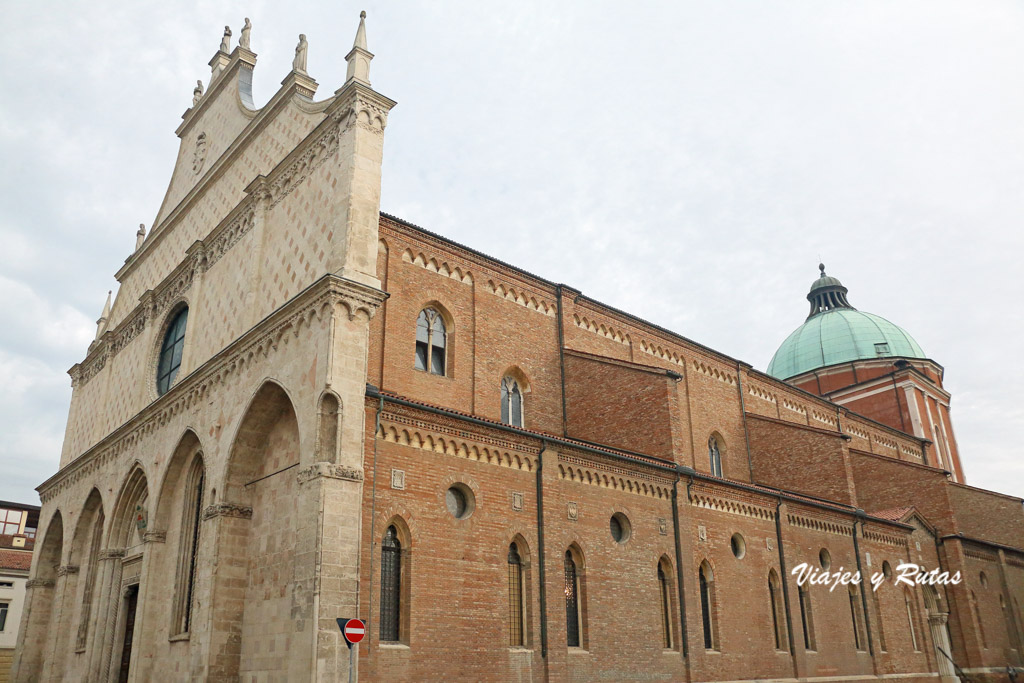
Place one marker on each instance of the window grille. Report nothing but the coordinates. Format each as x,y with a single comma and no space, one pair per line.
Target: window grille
572,612
390,585
515,598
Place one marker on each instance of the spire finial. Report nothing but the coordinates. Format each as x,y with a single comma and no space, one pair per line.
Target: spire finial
101,324
821,267
359,57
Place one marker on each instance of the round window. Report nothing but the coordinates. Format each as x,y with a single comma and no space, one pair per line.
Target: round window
459,500
739,546
620,527
824,559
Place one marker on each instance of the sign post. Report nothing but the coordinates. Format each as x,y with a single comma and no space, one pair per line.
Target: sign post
354,631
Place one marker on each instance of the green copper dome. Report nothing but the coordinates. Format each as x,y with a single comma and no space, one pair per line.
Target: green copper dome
836,332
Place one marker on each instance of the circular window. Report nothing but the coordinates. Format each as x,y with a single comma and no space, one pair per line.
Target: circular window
825,559
887,570
619,527
459,500
739,546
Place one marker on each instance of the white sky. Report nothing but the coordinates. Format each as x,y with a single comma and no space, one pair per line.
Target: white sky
687,162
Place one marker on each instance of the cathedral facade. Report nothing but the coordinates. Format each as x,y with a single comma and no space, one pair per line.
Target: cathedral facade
299,409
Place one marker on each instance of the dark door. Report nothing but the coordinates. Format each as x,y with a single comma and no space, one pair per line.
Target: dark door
131,602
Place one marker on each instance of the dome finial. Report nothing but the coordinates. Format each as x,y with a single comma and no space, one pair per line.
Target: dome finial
821,267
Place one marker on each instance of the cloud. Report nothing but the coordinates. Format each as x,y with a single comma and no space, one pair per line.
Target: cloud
689,163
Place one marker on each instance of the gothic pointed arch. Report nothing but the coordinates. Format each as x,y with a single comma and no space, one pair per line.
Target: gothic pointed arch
41,605
85,549
255,522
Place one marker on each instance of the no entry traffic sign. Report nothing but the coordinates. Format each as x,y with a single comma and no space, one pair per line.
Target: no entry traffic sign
353,629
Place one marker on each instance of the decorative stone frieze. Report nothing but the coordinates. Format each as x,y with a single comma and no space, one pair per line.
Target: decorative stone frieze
40,583
111,554
227,510
329,471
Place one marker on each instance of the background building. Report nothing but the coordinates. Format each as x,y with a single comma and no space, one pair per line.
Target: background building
18,524
298,408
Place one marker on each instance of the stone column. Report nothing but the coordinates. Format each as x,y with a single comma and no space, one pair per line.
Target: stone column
38,603
940,639
108,604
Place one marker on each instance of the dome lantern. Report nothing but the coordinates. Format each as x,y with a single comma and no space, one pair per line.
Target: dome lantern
827,294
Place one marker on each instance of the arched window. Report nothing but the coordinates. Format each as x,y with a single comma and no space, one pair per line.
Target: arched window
511,402
715,456
775,598
170,352
431,338
856,618
806,618
188,546
666,618
707,605
572,602
516,604
390,585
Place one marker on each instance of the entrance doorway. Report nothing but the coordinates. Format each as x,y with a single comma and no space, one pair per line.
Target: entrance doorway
131,601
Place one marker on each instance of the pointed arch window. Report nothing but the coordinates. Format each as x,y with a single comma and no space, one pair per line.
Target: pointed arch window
390,585
511,402
170,352
516,604
666,619
806,618
572,602
431,342
188,546
855,617
775,600
715,456
707,606
977,617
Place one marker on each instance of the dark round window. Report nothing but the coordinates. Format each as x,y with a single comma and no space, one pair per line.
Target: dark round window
619,526
170,352
825,559
459,500
739,546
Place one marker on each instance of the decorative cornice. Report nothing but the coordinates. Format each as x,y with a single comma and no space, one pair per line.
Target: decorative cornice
441,267
723,499
809,520
329,471
603,329
528,300
440,438
228,510
594,473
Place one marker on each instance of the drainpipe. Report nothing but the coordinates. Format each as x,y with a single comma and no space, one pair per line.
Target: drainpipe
373,517
540,554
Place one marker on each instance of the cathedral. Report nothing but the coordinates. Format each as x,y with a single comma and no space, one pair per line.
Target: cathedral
298,409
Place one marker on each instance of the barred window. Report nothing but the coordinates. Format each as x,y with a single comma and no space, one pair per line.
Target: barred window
511,402
572,607
516,616
707,605
170,352
775,598
188,545
666,619
806,618
431,338
3,616
390,585
715,456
